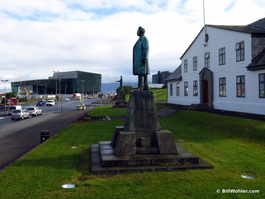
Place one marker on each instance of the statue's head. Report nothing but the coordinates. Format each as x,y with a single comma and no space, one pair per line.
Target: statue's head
140,31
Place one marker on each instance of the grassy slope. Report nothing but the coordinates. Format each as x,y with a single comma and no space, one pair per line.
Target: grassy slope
107,110
160,94
234,146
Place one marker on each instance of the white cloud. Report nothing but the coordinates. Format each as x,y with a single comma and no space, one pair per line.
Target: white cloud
38,37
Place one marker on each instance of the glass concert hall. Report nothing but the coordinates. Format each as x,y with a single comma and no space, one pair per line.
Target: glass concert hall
61,83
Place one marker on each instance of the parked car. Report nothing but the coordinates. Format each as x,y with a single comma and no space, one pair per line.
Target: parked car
50,103
12,108
41,103
2,107
20,114
34,111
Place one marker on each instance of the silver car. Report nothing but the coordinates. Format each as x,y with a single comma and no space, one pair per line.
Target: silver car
34,111
20,114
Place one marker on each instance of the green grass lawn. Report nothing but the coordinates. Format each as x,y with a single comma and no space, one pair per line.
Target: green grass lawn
107,110
234,146
160,94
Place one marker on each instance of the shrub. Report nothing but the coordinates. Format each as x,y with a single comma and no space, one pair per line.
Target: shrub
23,99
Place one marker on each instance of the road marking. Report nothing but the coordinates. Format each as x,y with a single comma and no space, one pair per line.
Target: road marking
1,118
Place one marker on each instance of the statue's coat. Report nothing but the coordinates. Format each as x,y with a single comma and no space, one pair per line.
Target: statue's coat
140,57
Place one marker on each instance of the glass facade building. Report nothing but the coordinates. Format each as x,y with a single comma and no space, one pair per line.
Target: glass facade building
60,83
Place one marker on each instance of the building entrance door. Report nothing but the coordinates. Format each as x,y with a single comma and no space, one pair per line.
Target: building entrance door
205,92
206,87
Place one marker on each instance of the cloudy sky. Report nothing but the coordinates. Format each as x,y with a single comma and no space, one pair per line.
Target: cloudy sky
38,37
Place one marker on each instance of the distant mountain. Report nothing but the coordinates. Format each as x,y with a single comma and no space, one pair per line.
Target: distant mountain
111,87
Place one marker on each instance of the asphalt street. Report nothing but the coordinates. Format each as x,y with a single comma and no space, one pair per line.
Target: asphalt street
17,138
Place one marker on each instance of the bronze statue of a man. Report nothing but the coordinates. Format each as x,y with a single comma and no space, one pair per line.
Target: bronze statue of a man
140,60
120,82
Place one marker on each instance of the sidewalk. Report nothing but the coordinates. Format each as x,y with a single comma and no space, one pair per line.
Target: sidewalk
16,145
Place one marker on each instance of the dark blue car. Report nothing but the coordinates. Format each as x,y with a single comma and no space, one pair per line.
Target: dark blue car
41,103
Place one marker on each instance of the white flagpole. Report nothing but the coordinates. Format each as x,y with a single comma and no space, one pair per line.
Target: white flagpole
203,13
204,24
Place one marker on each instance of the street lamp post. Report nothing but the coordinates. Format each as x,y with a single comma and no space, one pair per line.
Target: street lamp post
59,96
5,94
83,81
37,90
45,90
59,88
55,81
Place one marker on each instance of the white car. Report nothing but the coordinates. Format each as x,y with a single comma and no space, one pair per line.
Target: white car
20,114
50,103
34,111
12,108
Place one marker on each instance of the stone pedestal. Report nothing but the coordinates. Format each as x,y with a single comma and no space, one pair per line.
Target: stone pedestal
121,100
141,113
142,121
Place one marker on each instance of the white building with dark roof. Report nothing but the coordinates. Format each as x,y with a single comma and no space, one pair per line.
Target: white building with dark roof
223,68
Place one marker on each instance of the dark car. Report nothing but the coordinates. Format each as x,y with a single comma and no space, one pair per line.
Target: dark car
41,103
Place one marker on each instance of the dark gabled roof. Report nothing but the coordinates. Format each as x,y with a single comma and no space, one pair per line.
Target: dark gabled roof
255,28
259,25
244,29
258,62
175,76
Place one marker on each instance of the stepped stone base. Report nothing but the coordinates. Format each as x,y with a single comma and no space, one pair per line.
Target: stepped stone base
104,161
141,145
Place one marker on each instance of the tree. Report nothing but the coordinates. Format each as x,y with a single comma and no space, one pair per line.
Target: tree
126,89
8,95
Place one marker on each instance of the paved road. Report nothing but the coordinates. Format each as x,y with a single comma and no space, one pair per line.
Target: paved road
60,107
19,137
15,145
16,126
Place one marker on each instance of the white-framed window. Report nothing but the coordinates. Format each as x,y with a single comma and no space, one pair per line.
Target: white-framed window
207,60
186,89
195,88
240,86
222,87
221,56
178,89
170,89
240,51
195,63
262,85
185,66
